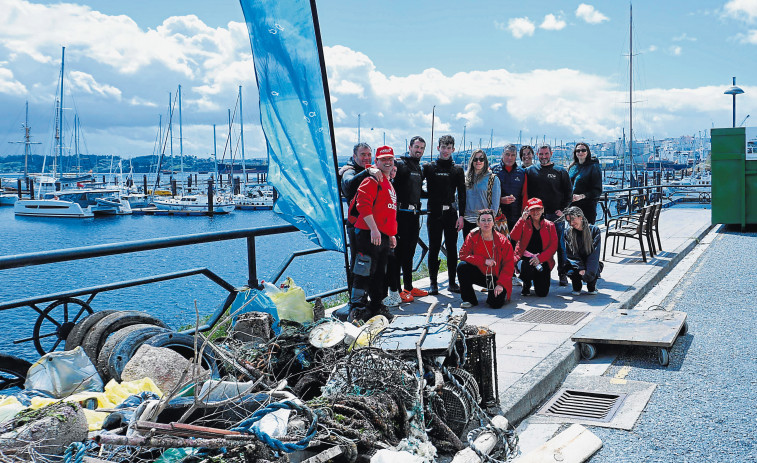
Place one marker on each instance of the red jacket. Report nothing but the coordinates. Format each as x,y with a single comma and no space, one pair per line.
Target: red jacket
475,252
521,233
380,202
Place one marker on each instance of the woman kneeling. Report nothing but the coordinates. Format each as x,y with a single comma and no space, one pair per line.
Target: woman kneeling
582,243
486,259
536,244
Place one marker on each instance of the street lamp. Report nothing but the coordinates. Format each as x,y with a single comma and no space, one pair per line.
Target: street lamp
734,90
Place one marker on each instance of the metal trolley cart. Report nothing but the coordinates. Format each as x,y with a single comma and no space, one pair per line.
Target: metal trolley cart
651,328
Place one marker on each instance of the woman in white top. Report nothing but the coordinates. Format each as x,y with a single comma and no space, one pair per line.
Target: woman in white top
482,190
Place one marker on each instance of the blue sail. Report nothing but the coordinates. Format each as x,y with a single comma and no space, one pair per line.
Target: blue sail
294,114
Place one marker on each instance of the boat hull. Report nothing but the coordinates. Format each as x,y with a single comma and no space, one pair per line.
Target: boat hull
51,208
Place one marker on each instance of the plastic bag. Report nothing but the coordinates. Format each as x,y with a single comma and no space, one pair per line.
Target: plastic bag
291,304
61,374
255,300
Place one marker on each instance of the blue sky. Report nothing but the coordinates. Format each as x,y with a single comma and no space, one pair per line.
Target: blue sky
554,69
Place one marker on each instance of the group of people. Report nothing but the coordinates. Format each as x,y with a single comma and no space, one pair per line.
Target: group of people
519,222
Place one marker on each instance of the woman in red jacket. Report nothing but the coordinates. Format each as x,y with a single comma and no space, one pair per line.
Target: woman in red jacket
535,252
486,259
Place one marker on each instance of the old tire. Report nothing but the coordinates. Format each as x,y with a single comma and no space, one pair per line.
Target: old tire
98,334
124,350
183,344
13,372
80,330
103,357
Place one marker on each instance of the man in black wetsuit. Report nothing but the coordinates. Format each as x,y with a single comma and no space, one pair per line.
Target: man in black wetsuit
443,178
408,184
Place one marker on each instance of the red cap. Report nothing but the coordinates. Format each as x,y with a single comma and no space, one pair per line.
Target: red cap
534,203
384,151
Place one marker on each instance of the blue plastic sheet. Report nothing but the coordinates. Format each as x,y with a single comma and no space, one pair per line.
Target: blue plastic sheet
294,117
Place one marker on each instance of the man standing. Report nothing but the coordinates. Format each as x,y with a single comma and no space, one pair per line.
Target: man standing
373,212
351,175
513,185
551,184
408,184
443,178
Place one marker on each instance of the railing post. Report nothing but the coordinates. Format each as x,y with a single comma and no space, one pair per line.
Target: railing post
252,268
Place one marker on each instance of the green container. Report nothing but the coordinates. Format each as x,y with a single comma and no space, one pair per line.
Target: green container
734,178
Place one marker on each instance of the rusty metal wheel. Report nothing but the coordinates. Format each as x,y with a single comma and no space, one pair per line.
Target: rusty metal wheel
55,323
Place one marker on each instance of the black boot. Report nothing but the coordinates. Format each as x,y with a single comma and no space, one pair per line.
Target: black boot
433,289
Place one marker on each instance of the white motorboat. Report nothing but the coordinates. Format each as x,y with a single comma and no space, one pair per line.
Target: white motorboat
257,198
74,204
194,203
8,199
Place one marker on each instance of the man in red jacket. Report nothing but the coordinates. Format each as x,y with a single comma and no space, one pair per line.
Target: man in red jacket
373,211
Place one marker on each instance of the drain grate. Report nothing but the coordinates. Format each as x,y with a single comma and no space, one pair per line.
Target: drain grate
584,405
552,317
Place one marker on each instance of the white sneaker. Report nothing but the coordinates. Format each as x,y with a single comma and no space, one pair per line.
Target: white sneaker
592,292
466,305
575,293
392,300
516,281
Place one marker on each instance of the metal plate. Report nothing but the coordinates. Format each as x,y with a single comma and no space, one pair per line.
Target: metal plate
654,328
552,317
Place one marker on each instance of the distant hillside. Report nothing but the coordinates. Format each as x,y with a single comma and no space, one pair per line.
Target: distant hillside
142,164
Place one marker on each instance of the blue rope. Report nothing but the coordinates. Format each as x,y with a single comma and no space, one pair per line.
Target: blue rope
70,457
246,426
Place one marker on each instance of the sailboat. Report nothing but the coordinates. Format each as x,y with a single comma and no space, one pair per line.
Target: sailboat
59,196
191,203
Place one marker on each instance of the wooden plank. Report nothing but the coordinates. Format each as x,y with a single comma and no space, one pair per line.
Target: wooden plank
574,445
655,328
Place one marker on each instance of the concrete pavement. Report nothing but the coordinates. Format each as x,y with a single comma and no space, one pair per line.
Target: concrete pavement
534,358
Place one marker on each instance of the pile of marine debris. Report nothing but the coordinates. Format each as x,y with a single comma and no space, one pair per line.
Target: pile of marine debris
271,389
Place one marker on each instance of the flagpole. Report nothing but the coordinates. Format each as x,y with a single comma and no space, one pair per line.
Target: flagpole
327,97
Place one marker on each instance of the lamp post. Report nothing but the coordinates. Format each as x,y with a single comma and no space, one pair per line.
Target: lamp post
734,90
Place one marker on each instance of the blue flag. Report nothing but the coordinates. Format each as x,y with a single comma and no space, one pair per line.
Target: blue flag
294,115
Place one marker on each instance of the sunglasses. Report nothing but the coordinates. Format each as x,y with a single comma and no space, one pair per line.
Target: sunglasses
478,159
582,150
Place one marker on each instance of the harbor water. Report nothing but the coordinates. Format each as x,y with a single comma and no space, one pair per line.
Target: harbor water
173,301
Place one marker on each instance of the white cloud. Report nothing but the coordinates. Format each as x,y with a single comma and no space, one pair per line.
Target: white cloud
83,82
676,50
745,10
9,85
552,23
750,37
520,27
589,14
683,37
652,48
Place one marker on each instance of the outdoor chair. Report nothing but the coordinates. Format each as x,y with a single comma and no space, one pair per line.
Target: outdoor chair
651,228
628,227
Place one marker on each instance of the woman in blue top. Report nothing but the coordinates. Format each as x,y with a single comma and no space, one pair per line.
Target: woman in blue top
586,177
482,190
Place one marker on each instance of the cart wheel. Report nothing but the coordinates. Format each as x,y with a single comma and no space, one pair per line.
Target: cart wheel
663,356
684,329
588,351
55,323
13,372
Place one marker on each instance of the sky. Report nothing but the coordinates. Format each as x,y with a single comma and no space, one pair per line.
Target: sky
506,70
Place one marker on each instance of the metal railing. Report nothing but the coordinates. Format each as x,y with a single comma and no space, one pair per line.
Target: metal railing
55,321
630,200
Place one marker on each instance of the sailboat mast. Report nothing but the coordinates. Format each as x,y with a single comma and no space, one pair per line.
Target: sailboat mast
181,142
241,137
60,112
27,140
630,85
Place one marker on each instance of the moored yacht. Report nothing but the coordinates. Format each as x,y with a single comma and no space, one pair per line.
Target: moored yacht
194,203
74,204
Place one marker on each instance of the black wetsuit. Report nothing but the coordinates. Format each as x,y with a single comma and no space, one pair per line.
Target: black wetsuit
408,184
443,177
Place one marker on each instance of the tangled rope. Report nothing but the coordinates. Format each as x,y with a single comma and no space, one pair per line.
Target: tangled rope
246,426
